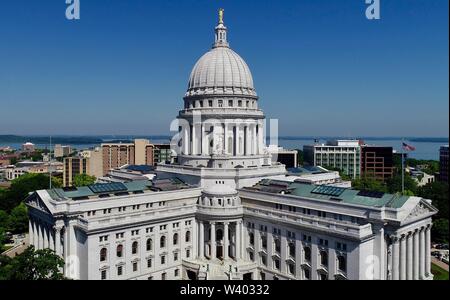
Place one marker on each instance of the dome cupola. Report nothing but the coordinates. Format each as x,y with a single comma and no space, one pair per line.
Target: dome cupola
221,71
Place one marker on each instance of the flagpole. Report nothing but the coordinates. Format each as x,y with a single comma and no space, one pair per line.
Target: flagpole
403,169
50,164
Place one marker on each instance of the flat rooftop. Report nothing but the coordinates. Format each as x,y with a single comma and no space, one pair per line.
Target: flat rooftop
331,193
108,190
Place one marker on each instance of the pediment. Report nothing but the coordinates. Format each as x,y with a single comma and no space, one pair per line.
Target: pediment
36,202
422,209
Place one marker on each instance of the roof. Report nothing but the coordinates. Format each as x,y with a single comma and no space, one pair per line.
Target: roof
335,194
102,190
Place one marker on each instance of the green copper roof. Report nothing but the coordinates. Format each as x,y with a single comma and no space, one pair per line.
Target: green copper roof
345,195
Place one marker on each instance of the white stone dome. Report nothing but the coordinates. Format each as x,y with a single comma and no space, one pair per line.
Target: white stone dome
221,71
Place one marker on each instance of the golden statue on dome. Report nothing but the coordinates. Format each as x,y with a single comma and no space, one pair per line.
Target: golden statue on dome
221,11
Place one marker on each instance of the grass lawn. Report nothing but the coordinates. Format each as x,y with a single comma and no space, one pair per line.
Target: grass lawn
439,273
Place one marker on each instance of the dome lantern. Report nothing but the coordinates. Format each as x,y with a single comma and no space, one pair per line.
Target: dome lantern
221,32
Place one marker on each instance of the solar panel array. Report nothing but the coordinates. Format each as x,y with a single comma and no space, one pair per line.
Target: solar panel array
370,194
328,190
102,188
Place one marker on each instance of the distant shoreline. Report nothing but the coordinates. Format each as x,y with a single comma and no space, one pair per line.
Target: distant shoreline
98,139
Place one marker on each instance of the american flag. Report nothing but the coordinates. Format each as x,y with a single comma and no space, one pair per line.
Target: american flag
408,147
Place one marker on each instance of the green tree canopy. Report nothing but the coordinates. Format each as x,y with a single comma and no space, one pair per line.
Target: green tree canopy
369,183
21,187
437,192
439,231
83,180
18,219
32,265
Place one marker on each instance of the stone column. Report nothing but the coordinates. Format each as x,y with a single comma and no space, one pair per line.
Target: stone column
428,251
422,254
389,262
395,259
403,257
213,240
30,232
416,255
58,240
225,138
237,241
409,257
36,234
194,142
202,139
186,142
225,240
255,140
261,138
45,236
246,140
237,143
201,245
51,236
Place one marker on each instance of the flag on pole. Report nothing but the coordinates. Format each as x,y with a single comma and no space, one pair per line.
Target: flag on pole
408,147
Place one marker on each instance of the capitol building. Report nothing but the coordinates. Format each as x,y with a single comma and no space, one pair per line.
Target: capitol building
225,210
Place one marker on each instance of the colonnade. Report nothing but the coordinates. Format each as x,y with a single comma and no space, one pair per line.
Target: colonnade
409,255
46,236
226,237
245,138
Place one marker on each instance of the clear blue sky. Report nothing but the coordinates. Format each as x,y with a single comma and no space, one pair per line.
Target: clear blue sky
320,67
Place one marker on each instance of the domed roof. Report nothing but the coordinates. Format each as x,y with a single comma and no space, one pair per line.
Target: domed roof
221,71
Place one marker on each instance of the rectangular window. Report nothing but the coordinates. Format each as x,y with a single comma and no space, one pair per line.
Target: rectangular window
188,253
176,272
175,256
103,274
210,103
119,271
149,263
230,103
163,259
135,266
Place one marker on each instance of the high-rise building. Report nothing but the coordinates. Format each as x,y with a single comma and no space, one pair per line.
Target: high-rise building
443,163
88,162
116,155
377,161
61,151
162,153
344,155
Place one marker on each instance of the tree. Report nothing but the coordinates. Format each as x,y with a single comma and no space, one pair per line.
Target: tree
439,231
32,265
437,192
4,220
369,183
2,239
21,187
83,180
394,184
18,220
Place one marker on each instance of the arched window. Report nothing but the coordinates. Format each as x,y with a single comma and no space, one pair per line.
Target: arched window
134,247
175,238
219,234
162,242
277,245
292,249
324,258
119,251
188,236
307,254
342,263
103,254
252,238
264,242
149,244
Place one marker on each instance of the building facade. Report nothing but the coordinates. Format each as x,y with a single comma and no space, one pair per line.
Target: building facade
377,161
116,155
61,151
89,162
341,154
225,210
